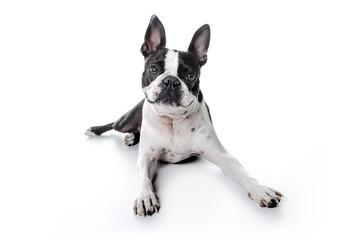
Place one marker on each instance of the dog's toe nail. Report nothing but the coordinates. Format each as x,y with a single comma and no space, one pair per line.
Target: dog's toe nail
263,203
279,194
157,208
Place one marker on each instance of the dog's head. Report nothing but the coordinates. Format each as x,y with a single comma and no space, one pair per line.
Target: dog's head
171,78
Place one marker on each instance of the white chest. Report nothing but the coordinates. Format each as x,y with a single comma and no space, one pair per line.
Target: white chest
175,139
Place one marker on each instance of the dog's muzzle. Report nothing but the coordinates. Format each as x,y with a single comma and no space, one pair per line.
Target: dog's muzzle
171,93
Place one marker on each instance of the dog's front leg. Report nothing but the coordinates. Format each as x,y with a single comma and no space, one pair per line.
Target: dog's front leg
146,203
264,196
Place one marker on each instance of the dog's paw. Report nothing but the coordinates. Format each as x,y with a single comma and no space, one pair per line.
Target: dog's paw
129,139
146,204
89,132
264,196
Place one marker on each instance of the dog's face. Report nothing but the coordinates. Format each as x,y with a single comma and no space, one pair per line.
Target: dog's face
170,80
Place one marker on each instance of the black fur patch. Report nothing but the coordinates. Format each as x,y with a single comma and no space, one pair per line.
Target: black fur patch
155,59
189,65
131,121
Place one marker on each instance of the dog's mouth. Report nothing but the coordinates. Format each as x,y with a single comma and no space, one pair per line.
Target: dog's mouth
173,102
169,101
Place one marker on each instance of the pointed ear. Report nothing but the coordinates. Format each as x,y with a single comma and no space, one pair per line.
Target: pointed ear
154,37
200,43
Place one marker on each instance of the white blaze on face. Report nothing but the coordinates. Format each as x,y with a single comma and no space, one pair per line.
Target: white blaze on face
171,68
171,63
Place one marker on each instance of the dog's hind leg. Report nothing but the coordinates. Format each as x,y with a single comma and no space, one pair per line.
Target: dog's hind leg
98,130
129,123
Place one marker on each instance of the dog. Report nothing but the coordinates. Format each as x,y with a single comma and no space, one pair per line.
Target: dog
173,122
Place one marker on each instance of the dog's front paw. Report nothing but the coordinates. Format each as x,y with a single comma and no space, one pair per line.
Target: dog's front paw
264,196
129,139
146,204
132,139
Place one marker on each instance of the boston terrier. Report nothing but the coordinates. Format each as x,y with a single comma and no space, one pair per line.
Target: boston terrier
173,122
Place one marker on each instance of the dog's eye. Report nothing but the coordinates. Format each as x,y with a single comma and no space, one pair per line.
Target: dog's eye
154,70
190,77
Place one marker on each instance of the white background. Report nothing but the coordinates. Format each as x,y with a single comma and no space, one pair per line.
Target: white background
282,83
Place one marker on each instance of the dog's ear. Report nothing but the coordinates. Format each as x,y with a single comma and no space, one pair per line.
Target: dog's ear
200,43
154,37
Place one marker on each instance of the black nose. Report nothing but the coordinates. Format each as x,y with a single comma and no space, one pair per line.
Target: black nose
171,81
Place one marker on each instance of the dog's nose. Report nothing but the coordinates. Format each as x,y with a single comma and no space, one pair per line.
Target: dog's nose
171,81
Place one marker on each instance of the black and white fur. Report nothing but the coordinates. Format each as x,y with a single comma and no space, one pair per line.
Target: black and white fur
173,122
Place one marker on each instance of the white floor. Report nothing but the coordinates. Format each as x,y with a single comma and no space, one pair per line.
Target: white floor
282,83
